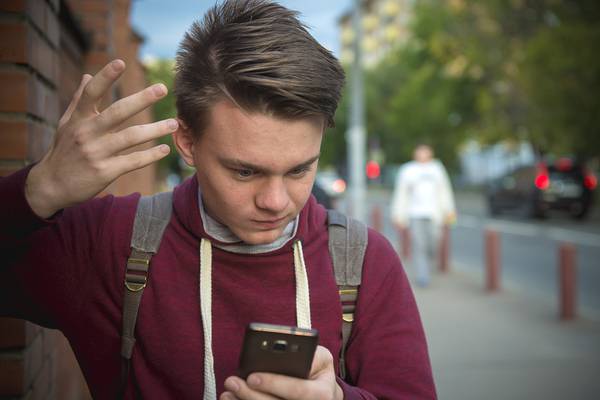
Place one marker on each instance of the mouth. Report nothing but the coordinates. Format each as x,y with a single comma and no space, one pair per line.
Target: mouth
269,223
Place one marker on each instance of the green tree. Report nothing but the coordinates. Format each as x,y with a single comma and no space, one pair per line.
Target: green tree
162,71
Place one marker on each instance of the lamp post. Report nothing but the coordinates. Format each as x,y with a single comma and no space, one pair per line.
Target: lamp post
355,136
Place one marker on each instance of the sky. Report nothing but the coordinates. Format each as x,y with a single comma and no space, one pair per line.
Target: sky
163,23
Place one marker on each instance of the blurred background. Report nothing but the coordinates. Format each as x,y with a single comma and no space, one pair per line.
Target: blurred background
505,91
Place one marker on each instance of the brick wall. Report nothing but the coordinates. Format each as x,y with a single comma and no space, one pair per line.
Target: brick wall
45,47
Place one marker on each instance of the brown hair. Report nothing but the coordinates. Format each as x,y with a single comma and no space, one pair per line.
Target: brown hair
260,56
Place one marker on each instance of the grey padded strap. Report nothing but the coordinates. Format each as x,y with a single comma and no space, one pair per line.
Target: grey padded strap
347,246
151,219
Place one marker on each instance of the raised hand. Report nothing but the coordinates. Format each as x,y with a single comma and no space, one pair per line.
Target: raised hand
85,156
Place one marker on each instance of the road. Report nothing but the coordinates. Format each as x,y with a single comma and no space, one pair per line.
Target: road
529,248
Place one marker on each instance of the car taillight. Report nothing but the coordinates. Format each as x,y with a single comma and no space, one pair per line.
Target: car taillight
542,181
590,181
339,186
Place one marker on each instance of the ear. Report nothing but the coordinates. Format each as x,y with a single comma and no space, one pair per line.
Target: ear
184,142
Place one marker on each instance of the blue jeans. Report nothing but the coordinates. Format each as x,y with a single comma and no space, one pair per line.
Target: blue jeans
425,237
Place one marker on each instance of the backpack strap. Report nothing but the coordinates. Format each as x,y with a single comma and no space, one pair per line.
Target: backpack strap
347,246
151,218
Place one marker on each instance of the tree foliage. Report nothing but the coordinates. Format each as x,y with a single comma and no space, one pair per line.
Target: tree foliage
492,70
162,71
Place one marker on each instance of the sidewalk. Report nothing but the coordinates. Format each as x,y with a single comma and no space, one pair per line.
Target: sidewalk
505,345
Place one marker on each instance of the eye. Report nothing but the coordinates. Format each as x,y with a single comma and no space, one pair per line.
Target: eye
299,172
244,173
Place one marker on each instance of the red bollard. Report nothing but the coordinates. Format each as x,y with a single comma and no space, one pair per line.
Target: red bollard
492,260
567,281
445,249
405,234
377,219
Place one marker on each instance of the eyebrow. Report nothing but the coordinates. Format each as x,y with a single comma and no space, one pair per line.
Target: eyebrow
237,163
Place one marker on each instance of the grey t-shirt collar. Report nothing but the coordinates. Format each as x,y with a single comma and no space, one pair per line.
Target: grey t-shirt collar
228,241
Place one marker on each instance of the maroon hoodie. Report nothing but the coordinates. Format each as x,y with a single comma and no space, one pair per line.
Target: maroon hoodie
68,273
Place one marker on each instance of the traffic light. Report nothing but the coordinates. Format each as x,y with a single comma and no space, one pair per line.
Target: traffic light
373,169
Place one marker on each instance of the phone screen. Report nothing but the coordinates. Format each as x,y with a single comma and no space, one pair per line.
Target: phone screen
280,349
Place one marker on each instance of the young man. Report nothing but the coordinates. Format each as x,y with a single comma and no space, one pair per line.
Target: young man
255,93
423,200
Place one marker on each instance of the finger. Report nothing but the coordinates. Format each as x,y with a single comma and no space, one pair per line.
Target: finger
99,85
123,164
240,389
75,100
321,360
281,386
112,144
126,108
320,384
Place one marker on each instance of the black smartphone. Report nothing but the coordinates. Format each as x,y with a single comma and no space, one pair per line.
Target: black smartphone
280,349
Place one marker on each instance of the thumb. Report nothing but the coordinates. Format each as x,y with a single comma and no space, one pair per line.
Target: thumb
322,360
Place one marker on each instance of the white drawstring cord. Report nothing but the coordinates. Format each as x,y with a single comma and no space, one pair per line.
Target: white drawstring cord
210,390
302,292
302,307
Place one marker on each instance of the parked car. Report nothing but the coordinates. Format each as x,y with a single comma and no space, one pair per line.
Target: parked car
533,190
331,183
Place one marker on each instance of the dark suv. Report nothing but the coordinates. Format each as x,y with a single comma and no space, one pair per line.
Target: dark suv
533,190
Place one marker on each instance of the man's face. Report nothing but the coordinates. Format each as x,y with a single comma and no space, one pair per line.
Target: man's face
423,154
256,171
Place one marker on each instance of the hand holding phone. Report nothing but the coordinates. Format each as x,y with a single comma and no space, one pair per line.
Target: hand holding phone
280,349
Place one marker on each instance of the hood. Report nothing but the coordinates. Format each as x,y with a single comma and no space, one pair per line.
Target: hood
313,216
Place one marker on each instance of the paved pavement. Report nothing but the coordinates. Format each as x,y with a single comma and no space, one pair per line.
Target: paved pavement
505,345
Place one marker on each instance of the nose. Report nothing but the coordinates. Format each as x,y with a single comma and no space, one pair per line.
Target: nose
273,196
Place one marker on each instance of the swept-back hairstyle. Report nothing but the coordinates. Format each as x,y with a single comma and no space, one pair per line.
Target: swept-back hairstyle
257,54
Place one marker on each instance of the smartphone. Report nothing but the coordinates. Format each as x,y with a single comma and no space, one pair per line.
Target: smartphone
280,349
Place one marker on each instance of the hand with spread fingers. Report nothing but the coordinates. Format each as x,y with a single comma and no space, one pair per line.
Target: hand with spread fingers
86,155
320,385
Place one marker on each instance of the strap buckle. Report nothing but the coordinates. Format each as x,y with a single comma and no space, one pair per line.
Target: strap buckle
134,285
136,275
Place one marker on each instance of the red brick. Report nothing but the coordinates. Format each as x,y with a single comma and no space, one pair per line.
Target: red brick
13,140
36,10
95,60
23,92
13,39
13,96
52,26
39,138
90,6
17,333
12,5
42,57
42,101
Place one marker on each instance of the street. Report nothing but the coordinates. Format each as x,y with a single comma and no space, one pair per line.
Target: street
529,248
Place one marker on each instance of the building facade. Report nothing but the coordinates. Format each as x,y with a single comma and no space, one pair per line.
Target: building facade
385,25
45,48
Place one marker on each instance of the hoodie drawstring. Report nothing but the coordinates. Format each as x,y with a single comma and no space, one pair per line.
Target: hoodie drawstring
303,319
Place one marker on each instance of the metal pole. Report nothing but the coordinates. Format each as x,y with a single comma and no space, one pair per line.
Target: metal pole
355,136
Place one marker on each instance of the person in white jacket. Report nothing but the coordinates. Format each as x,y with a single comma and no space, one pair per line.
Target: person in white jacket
423,201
